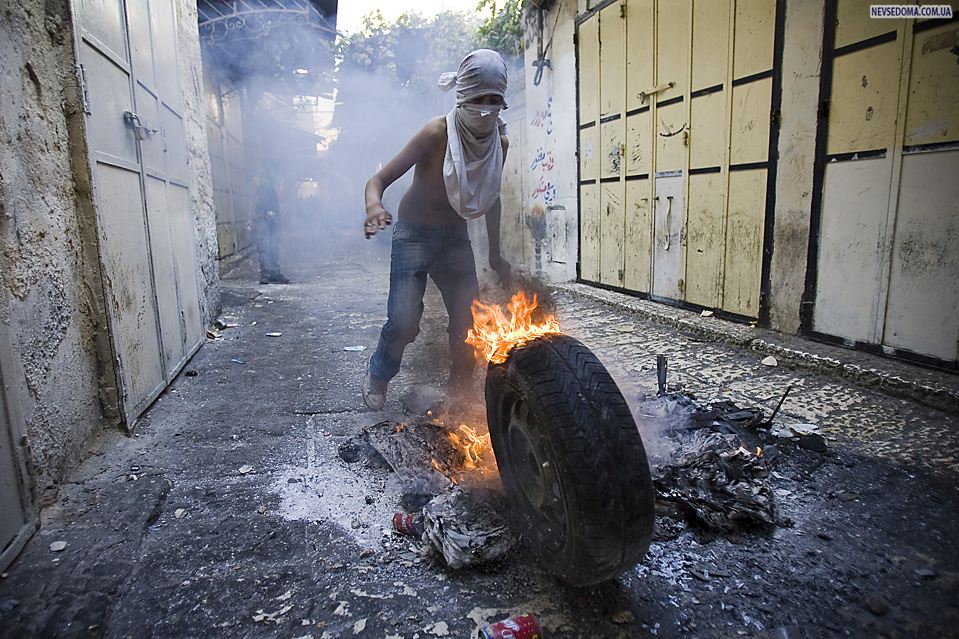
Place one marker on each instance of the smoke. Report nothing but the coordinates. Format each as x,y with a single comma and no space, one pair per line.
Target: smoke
656,417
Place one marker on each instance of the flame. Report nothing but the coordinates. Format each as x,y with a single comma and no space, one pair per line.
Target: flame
494,334
742,450
472,445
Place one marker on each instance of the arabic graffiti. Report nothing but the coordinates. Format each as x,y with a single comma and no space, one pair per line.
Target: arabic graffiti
544,117
542,159
545,188
542,162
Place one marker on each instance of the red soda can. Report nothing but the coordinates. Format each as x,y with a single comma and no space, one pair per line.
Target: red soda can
406,524
516,627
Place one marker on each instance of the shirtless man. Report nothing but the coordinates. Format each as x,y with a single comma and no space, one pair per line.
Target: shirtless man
459,161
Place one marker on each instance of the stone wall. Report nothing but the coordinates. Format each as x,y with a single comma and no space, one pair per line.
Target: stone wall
48,303
201,180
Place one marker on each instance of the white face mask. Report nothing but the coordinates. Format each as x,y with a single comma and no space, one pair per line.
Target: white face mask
479,118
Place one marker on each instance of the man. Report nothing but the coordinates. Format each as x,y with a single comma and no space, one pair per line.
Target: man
459,165
266,229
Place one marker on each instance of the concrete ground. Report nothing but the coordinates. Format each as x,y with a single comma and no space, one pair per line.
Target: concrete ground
230,512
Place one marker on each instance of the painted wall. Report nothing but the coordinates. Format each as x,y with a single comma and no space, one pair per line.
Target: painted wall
539,181
802,65
552,165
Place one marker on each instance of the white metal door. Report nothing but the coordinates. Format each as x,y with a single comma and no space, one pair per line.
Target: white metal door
138,154
887,265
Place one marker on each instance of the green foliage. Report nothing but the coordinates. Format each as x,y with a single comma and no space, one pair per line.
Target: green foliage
411,52
502,29
386,83
387,73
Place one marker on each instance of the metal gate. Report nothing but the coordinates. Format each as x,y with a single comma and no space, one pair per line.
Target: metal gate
884,263
675,128
16,523
130,72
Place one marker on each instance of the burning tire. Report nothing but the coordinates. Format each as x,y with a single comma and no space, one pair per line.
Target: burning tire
571,459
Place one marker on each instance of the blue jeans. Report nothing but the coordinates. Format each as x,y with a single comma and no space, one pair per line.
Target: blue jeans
446,255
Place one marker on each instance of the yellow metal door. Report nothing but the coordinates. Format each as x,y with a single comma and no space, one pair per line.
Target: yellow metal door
638,160
708,144
137,147
675,101
589,149
750,106
670,104
612,91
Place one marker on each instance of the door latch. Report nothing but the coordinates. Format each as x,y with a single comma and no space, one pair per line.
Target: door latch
669,220
645,95
140,132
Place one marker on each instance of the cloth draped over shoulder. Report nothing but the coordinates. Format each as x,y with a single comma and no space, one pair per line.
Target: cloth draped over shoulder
473,167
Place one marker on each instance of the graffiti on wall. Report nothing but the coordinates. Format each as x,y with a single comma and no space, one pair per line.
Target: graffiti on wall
543,119
542,163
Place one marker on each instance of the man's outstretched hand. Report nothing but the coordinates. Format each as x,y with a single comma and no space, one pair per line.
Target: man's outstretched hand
377,219
502,268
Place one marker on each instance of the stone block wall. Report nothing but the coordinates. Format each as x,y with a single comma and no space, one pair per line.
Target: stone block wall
48,301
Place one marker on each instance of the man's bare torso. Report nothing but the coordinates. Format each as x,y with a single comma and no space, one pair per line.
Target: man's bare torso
426,202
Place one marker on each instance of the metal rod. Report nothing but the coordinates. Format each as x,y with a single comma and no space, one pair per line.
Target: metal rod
662,369
779,405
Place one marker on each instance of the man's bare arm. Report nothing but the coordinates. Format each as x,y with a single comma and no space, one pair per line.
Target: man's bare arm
493,218
377,217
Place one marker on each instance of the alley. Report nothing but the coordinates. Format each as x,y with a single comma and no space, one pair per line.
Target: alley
230,512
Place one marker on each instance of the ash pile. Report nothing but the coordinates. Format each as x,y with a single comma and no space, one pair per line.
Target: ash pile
712,464
447,485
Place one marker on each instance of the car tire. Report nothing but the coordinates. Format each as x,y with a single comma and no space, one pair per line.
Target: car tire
571,459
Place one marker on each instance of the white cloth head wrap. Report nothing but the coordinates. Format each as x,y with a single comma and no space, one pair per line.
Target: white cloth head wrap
473,167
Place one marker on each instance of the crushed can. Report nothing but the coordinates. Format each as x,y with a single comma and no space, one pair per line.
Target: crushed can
407,524
516,627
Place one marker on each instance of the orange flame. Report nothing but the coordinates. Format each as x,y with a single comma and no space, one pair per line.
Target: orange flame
494,334
473,446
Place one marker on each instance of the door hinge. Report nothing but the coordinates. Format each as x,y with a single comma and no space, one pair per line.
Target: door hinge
84,95
622,10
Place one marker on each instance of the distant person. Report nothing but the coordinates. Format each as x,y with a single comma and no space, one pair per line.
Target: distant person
459,166
266,229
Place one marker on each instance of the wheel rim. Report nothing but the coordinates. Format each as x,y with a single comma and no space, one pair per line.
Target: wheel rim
535,478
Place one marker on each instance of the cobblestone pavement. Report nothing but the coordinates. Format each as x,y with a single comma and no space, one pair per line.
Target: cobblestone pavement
862,419
231,514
